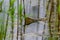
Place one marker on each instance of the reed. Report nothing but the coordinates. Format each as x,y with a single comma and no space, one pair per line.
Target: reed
20,20
11,14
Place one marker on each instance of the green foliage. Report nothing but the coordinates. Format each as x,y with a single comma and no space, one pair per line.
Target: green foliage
11,8
11,12
12,2
20,12
20,9
1,36
1,2
1,29
59,8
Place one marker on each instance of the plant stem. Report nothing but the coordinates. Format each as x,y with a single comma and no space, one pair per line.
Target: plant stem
6,27
12,16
